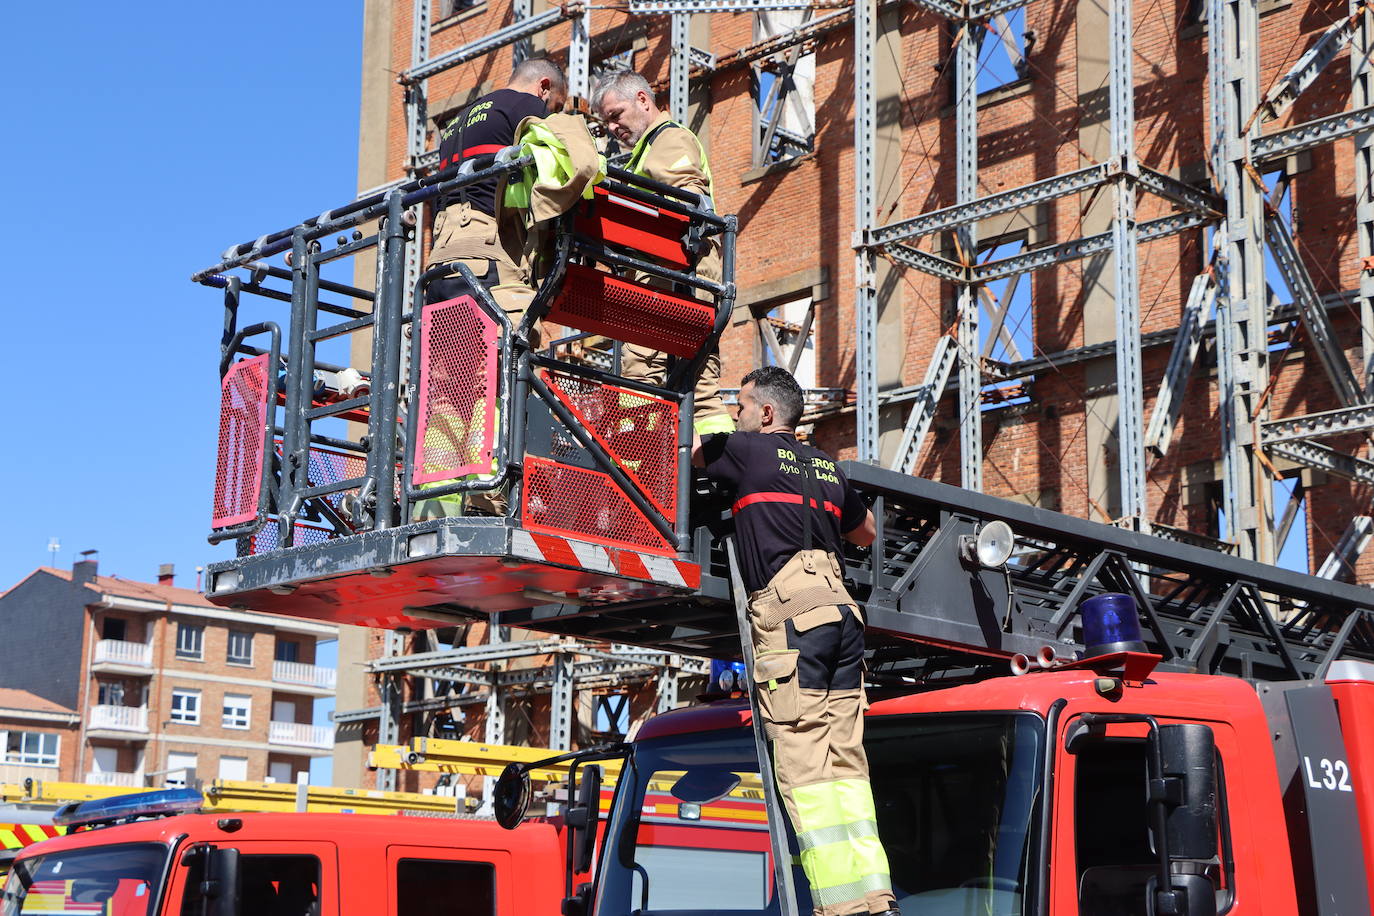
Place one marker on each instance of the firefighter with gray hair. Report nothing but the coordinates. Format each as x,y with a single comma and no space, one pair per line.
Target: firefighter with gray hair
663,150
793,510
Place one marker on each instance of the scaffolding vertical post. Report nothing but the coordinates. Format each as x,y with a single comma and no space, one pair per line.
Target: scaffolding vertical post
521,9
678,66
1362,96
1131,412
1242,332
417,93
580,55
389,720
668,682
495,731
865,259
561,704
966,235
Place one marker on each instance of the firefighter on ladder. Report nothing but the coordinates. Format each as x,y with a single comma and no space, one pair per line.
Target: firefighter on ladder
666,152
792,509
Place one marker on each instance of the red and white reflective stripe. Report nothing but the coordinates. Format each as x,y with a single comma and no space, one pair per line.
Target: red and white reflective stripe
769,496
614,561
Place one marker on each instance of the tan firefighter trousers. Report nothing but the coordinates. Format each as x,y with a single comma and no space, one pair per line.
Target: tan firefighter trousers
808,677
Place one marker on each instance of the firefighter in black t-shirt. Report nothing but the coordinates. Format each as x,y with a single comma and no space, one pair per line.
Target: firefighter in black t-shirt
466,227
467,231
793,509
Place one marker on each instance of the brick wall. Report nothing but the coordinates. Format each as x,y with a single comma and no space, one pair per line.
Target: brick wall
802,217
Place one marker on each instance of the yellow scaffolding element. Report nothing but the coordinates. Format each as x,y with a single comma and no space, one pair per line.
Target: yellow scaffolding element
471,758
224,795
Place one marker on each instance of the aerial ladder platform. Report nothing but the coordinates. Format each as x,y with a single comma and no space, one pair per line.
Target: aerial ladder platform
606,534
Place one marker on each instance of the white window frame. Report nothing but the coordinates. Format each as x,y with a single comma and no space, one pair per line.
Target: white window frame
243,760
229,655
185,713
194,633
32,756
237,710
179,781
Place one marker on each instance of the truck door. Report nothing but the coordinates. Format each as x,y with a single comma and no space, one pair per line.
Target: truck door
1102,854
276,878
437,881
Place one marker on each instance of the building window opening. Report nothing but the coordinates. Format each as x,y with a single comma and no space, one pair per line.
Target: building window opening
185,706
288,650
1290,526
1002,47
783,89
110,693
240,648
1006,325
787,338
190,640
113,628
31,748
237,710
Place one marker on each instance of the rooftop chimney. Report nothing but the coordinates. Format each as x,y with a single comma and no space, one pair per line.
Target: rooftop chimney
84,569
165,575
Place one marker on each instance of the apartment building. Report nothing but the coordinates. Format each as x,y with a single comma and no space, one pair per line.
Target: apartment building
116,682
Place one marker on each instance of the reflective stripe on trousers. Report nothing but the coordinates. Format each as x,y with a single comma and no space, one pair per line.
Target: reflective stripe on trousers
837,834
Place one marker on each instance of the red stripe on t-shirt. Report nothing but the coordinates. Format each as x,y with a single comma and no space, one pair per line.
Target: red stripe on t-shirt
771,496
482,150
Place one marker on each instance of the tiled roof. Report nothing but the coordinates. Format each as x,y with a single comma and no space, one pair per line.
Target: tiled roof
146,591
13,698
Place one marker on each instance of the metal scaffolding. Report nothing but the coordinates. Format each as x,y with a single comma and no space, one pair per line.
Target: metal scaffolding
1245,220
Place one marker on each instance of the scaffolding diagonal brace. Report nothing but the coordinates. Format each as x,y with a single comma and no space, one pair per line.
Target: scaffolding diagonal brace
1352,543
1169,402
1313,313
1305,72
522,28
932,264
1082,248
927,402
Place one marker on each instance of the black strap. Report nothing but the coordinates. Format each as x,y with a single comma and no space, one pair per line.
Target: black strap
804,461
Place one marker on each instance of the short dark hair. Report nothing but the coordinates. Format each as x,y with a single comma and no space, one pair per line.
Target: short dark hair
533,69
776,386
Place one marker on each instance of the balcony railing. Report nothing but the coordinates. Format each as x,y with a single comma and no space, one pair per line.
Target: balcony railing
124,780
301,673
301,735
120,718
119,652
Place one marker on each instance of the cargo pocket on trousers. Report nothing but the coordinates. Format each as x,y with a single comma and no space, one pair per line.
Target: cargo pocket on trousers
775,675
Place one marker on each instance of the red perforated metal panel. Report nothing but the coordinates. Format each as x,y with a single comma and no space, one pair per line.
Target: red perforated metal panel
639,432
644,228
587,505
242,432
456,434
602,304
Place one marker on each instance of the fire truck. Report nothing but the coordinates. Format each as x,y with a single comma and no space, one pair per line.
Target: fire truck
1067,717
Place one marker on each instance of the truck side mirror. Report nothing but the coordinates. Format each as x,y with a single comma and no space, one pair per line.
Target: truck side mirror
1189,755
220,887
583,818
511,797
1183,793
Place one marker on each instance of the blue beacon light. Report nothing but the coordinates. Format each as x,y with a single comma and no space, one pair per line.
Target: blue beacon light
159,803
1111,623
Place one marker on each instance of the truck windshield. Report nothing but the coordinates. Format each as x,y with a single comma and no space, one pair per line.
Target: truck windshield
119,880
958,802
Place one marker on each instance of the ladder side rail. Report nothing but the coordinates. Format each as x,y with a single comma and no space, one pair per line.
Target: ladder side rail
777,824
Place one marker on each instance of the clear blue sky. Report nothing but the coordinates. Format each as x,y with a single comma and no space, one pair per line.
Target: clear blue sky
142,139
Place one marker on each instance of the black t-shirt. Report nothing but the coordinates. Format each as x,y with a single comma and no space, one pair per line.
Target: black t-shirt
764,471
485,126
